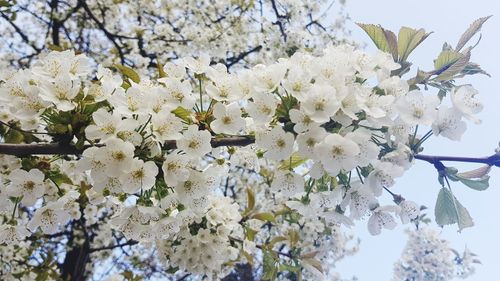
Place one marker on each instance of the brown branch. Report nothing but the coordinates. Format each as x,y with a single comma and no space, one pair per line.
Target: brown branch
128,243
20,32
21,150
56,24
279,19
111,37
234,60
493,160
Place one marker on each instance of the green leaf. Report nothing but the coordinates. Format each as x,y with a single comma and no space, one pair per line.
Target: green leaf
477,179
449,211
457,63
392,43
473,68
182,113
250,200
293,162
248,257
264,217
128,72
172,270
161,72
270,267
408,40
480,184
376,33
4,3
445,59
13,136
59,178
470,32
250,234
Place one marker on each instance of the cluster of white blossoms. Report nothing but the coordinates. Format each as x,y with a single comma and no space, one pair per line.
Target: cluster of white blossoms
140,31
428,257
163,158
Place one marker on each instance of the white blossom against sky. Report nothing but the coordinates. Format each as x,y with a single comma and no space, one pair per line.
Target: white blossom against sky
448,19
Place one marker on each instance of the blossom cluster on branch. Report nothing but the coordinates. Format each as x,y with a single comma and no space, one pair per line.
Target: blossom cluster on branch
208,167
141,32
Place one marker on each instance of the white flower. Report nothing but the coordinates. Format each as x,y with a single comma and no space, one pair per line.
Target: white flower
409,211
109,125
262,108
11,234
308,140
400,130
246,157
61,92
317,170
174,70
426,256
198,66
267,78
415,108
66,62
195,143
226,88
142,176
17,86
383,175
359,198
381,218
464,100
351,99
166,126
321,103
376,106
394,86
129,103
287,183
297,83
228,119
29,185
166,228
196,186
303,122
175,168
178,93
49,218
368,150
277,143
116,158
449,124
336,153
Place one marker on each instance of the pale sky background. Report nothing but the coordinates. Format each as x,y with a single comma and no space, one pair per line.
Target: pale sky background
448,19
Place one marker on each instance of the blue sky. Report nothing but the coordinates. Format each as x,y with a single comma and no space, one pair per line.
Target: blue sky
448,19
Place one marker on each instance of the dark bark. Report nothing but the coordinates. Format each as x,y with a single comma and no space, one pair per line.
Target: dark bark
74,264
242,272
21,150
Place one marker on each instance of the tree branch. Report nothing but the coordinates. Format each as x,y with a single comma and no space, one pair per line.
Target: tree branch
493,160
20,32
279,19
128,243
234,60
21,150
56,24
100,25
